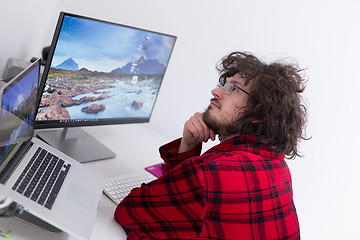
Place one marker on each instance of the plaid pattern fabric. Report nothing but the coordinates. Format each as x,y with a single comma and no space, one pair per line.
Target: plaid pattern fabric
236,190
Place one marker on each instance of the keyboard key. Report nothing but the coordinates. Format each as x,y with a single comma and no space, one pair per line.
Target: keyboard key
42,178
118,187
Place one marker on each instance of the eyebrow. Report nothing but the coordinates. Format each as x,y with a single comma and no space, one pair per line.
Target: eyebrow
236,82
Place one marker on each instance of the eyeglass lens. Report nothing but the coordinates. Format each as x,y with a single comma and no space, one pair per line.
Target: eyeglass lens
228,87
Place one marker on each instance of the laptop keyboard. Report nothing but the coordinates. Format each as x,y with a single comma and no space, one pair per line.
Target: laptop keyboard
118,187
42,178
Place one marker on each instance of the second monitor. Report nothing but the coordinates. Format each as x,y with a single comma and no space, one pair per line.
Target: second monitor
99,73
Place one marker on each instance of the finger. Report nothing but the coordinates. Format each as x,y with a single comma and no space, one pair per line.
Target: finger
209,133
204,131
190,130
194,130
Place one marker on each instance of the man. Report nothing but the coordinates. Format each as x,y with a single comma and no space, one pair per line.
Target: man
241,188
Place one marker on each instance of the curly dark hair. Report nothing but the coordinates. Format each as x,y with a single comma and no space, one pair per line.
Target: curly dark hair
275,112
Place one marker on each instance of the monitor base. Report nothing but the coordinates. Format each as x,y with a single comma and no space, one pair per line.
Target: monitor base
77,144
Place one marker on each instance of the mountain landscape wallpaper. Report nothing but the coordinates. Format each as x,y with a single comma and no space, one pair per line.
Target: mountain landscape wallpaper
101,70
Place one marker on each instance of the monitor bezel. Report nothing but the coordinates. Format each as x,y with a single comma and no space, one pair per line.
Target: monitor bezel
73,123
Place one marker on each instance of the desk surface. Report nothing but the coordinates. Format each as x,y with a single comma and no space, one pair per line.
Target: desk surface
136,146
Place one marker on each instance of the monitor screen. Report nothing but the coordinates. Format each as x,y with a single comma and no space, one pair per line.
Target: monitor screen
17,112
99,73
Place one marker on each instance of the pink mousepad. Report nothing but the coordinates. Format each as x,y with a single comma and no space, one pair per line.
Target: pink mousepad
156,169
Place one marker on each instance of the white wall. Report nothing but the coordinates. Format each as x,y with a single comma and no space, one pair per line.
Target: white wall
322,35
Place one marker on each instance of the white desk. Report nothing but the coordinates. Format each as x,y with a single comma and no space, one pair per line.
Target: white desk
136,147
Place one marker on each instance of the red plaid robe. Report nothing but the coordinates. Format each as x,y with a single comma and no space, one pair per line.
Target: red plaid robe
236,190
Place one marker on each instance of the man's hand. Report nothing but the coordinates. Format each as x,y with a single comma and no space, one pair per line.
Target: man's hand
195,131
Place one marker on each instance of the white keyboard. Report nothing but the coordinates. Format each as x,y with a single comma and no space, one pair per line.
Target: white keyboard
118,187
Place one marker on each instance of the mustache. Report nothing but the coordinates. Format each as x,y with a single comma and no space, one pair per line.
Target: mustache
216,101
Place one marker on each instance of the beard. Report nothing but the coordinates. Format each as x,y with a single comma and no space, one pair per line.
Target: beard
224,128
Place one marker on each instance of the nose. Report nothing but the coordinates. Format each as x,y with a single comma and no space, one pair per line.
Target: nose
218,92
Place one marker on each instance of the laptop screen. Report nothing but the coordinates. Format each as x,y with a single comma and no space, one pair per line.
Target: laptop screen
17,112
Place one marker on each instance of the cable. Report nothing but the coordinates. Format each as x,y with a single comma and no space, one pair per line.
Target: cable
9,208
4,202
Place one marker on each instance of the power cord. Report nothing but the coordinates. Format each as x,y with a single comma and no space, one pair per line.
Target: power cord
4,202
9,208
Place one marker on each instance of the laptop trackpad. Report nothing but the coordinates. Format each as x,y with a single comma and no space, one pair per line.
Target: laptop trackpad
80,196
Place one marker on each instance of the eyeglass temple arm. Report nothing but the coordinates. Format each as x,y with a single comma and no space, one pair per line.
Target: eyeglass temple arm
241,89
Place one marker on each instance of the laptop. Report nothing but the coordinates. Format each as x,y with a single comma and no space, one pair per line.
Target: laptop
56,192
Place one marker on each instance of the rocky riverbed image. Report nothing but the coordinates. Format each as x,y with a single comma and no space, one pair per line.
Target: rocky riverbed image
85,94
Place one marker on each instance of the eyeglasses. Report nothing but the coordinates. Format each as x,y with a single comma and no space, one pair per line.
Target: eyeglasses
230,87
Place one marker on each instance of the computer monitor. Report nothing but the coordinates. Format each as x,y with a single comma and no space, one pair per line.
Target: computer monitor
98,73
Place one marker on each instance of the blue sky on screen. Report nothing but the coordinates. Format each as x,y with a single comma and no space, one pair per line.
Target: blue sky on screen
104,47
14,96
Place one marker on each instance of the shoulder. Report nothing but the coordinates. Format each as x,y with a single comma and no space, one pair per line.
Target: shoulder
240,168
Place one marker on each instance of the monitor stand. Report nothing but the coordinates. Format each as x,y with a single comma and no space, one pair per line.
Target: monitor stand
76,143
